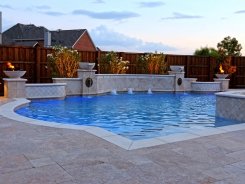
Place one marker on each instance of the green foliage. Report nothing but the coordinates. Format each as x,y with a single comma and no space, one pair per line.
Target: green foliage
229,47
114,64
206,51
63,62
226,48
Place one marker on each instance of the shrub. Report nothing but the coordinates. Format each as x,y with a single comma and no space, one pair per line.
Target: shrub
114,63
63,62
153,63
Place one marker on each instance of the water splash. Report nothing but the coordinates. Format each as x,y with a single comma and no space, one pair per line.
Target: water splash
130,91
114,92
149,91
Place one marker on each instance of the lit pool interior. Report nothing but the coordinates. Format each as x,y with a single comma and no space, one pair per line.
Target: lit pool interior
135,116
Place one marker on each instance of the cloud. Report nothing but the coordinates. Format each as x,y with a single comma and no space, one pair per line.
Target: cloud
182,16
53,13
240,12
43,7
6,6
151,4
98,1
108,40
112,15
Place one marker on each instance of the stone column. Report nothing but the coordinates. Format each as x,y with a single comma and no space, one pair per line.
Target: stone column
89,81
179,80
14,87
224,84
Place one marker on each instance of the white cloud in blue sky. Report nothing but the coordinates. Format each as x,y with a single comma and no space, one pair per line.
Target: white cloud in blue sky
240,12
151,4
111,15
53,13
43,7
107,39
5,6
98,1
177,15
177,26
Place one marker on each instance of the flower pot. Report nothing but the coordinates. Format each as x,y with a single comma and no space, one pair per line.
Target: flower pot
177,68
221,76
86,65
14,74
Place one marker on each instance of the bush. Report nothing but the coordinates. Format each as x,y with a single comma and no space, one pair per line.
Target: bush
114,64
63,62
153,63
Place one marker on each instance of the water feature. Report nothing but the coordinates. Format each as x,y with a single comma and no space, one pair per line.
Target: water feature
130,91
149,91
114,92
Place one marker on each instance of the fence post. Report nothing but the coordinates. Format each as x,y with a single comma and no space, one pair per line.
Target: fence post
187,72
212,66
98,61
37,63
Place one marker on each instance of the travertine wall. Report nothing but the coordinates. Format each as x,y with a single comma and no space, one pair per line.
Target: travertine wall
106,83
206,86
231,105
45,90
73,85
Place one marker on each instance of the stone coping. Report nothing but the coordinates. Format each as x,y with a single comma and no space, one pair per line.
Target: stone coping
68,79
83,70
232,94
221,79
7,110
196,82
14,79
45,84
134,75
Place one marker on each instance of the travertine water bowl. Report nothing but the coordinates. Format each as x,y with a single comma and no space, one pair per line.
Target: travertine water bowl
86,65
15,74
221,76
177,68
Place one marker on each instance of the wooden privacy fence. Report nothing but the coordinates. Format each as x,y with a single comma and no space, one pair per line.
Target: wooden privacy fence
34,61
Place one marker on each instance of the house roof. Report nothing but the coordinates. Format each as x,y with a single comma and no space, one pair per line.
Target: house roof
21,31
28,34
66,37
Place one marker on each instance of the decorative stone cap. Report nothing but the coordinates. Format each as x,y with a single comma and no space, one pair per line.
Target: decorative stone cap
14,79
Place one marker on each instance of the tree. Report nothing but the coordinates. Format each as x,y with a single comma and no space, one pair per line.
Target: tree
205,51
229,47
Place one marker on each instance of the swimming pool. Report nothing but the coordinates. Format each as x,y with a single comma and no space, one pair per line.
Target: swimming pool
135,116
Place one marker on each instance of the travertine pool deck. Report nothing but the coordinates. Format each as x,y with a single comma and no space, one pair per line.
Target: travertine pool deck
39,154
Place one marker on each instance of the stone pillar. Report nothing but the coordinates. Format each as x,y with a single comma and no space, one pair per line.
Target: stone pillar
14,87
179,80
224,84
89,81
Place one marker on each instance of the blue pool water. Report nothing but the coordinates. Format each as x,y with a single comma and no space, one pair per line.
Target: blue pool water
135,116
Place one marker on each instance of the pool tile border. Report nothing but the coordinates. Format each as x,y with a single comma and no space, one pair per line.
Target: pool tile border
7,110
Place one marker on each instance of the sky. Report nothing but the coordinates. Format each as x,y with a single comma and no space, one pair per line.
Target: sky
168,26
